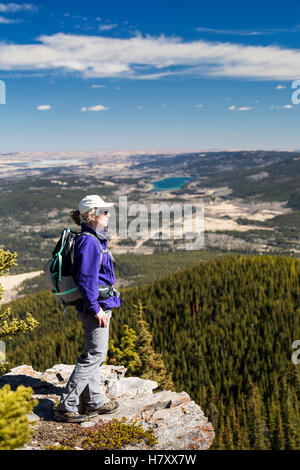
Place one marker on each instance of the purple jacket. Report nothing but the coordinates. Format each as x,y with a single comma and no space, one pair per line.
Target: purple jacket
85,271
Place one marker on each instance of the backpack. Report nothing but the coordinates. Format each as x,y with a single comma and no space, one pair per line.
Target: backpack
58,269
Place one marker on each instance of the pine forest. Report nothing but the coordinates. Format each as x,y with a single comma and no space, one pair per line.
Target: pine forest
223,330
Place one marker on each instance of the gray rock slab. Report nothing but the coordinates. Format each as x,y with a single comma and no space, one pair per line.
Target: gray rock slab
176,420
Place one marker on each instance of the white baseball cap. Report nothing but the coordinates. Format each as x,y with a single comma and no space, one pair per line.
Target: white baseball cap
89,202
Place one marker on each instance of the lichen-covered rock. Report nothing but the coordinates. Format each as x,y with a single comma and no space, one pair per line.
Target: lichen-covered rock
178,422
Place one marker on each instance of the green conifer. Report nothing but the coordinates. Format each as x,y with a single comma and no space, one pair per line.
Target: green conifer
256,422
10,327
125,355
14,425
152,363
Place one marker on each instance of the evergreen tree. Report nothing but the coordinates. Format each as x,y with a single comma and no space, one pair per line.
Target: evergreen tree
14,425
228,434
291,421
152,363
125,355
255,420
10,327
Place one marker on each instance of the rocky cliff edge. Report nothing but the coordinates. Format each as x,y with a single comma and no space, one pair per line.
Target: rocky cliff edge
177,421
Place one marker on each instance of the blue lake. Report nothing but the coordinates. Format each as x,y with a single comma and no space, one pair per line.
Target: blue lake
168,184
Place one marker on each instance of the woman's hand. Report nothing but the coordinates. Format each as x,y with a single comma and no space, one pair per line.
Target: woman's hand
102,319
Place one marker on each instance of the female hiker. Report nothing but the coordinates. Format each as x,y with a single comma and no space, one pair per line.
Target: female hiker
82,396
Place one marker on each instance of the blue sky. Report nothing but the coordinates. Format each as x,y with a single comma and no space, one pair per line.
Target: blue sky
159,75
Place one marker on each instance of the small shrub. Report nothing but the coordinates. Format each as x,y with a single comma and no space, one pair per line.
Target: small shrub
112,435
14,424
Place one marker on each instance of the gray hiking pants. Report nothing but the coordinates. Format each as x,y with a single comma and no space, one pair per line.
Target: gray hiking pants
86,376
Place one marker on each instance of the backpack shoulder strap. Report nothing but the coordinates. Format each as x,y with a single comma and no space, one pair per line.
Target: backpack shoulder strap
94,236
57,257
102,250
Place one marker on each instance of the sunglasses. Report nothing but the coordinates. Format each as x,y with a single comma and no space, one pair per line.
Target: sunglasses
101,212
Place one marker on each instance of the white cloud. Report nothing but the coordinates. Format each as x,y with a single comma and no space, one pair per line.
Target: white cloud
16,7
98,107
199,105
98,86
43,107
107,27
241,108
285,106
244,32
280,87
4,20
238,32
149,58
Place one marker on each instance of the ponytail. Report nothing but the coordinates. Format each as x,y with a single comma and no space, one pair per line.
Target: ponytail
76,217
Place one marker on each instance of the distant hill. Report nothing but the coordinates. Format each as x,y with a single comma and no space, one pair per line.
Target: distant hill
210,163
272,181
34,209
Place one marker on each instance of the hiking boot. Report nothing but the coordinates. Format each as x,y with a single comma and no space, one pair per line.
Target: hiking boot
69,416
107,408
